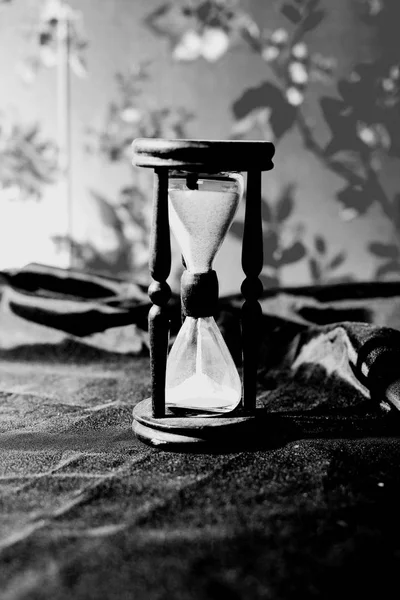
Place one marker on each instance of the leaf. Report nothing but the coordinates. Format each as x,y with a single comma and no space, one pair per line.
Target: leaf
267,95
255,126
315,270
344,139
269,282
107,212
270,247
205,11
266,213
333,111
391,267
356,198
282,118
292,254
320,244
133,203
65,243
346,90
336,261
262,96
342,125
312,4
241,24
349,164
169,20
312,20
245,125
32,133
384,250
360,92
291,12
285,204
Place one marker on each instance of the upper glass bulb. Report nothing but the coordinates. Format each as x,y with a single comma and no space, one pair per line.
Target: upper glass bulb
202,208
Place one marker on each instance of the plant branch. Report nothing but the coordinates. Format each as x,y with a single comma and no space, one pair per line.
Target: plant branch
371,180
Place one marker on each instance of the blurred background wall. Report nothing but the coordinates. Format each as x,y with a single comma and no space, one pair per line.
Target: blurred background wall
320,79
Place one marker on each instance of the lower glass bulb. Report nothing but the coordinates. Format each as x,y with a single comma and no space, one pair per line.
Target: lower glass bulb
201,375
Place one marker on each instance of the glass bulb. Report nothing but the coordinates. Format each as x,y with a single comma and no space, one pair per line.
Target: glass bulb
201,215
201,374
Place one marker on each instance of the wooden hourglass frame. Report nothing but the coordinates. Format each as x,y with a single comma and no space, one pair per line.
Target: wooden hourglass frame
152,423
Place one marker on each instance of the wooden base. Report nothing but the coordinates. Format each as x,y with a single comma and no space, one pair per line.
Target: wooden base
239,431
205,431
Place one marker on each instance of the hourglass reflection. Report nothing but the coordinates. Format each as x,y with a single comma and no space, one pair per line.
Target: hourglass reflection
197,395
201,374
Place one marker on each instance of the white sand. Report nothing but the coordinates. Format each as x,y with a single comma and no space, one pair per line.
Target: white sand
200,392
200,220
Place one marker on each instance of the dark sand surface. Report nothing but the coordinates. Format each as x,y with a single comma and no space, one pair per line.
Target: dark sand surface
87,511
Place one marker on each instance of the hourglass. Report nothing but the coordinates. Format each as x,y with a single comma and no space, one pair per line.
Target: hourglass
201,375
196,392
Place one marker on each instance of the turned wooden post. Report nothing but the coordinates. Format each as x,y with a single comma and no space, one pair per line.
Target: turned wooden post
183,316
159,291
252,288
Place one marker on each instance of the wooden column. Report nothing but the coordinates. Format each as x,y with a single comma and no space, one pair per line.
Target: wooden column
252,288
183,316
159,291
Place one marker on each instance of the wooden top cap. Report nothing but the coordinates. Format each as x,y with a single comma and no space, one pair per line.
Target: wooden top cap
207,156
